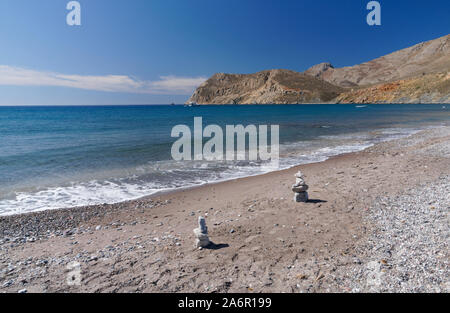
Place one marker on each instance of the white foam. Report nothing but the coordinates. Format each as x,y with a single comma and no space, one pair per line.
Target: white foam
90,193
96,192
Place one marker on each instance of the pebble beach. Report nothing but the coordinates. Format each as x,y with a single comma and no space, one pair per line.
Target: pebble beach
376,221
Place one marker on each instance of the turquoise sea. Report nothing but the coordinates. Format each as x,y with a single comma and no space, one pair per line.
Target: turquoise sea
57,157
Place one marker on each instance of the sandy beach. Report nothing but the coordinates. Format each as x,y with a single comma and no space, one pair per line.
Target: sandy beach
377,221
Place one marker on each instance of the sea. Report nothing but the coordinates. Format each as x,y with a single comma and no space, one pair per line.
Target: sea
54,157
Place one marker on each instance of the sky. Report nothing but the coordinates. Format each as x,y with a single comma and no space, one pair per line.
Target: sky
159,51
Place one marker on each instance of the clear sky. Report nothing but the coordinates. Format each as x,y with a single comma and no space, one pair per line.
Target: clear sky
158,51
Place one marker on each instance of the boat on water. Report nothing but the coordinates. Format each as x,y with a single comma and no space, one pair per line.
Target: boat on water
361,106
191,104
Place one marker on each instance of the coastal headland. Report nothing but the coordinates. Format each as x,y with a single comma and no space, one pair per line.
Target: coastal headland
376,221
418,74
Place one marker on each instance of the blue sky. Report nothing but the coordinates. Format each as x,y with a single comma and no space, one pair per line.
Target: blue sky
157,51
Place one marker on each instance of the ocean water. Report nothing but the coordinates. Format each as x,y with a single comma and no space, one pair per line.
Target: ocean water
58,157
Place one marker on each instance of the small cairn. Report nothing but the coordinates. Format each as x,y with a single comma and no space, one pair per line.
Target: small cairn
201,233
300,188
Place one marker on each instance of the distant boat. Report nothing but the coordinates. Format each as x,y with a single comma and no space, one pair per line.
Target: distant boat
191,104
444,107
361,106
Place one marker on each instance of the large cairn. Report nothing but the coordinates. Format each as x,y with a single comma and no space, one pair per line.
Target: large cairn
201,233
300,188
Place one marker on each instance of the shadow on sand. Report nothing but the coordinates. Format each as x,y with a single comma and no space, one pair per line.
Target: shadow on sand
213,246
316,201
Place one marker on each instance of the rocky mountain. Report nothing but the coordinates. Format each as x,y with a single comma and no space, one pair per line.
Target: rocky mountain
274,86
427,57
416,74
429,88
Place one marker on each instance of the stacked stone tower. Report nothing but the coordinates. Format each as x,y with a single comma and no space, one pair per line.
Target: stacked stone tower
300,188
201,233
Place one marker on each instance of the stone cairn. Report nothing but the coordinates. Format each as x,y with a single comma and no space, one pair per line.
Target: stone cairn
300,188
201,233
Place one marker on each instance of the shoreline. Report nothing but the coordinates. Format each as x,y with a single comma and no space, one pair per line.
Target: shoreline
168,191
165,191
264,241
159,198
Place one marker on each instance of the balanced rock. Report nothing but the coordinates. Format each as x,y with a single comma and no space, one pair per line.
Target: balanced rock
300,188
201,234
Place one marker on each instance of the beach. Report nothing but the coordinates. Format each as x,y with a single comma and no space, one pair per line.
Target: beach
111,154
377,221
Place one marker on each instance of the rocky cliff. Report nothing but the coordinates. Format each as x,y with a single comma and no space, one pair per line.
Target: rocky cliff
274,86
416,74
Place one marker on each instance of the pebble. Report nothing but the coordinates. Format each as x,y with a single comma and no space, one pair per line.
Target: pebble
403,251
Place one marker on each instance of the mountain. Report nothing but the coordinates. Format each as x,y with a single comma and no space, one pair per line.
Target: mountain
416,74
427,57
428,88
273,86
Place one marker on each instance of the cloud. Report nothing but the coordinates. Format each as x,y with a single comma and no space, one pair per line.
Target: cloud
166,85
